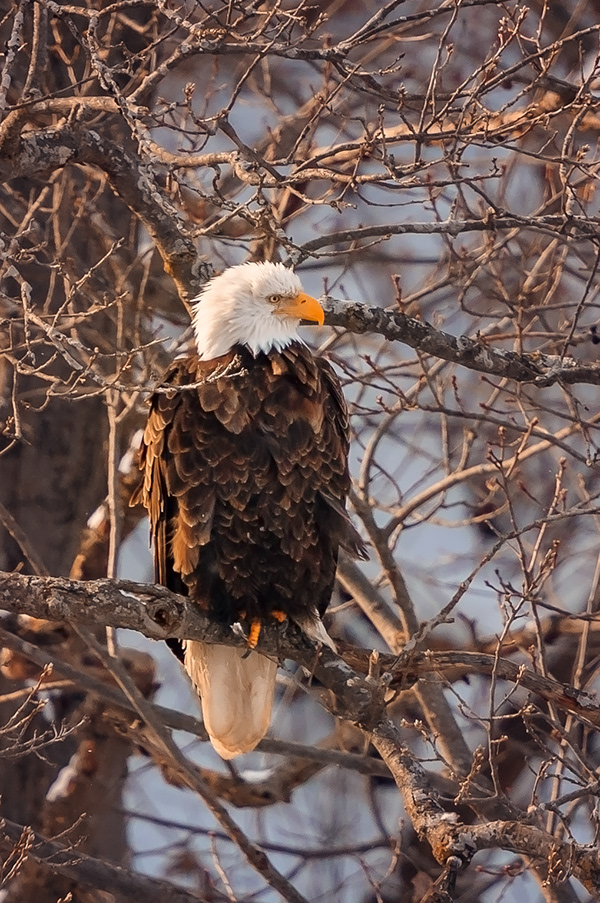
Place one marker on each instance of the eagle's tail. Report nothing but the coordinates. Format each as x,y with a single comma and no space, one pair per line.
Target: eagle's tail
237,690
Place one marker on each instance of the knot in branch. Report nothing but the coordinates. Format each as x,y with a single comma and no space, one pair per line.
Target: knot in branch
165,615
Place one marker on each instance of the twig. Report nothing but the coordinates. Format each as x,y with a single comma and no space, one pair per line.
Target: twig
94,873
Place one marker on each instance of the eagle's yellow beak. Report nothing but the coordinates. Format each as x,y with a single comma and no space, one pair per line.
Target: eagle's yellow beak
303,307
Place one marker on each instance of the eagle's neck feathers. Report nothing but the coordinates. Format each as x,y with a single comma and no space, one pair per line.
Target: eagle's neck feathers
215,338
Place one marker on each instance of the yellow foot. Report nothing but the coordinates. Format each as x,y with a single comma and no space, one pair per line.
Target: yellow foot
256,626
253,634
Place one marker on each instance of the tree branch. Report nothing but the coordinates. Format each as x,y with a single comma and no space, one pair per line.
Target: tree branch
554,224
39,152
94,873
537,368
159,613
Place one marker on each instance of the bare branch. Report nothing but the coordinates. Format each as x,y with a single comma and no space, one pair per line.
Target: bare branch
90,872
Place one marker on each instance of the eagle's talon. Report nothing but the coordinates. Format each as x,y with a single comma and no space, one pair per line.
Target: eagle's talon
253,634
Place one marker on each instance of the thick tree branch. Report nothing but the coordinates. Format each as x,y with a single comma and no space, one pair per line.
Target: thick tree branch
537,368
158,613
36,153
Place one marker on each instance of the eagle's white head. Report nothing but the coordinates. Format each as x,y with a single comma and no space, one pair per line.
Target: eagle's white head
259,305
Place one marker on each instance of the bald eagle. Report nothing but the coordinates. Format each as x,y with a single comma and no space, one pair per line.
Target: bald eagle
245,479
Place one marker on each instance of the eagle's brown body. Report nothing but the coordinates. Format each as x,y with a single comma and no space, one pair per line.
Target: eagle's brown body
245,479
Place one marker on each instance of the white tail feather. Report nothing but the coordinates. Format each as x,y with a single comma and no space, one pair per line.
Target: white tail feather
237,694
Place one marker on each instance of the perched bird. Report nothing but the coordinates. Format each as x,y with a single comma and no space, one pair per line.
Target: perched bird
245,480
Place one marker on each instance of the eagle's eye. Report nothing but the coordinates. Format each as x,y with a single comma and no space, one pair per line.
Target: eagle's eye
274,299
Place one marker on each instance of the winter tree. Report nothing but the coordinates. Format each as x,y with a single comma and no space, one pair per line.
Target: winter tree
431,171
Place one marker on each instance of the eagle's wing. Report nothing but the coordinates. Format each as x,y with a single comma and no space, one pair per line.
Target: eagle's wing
336,443
177,488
